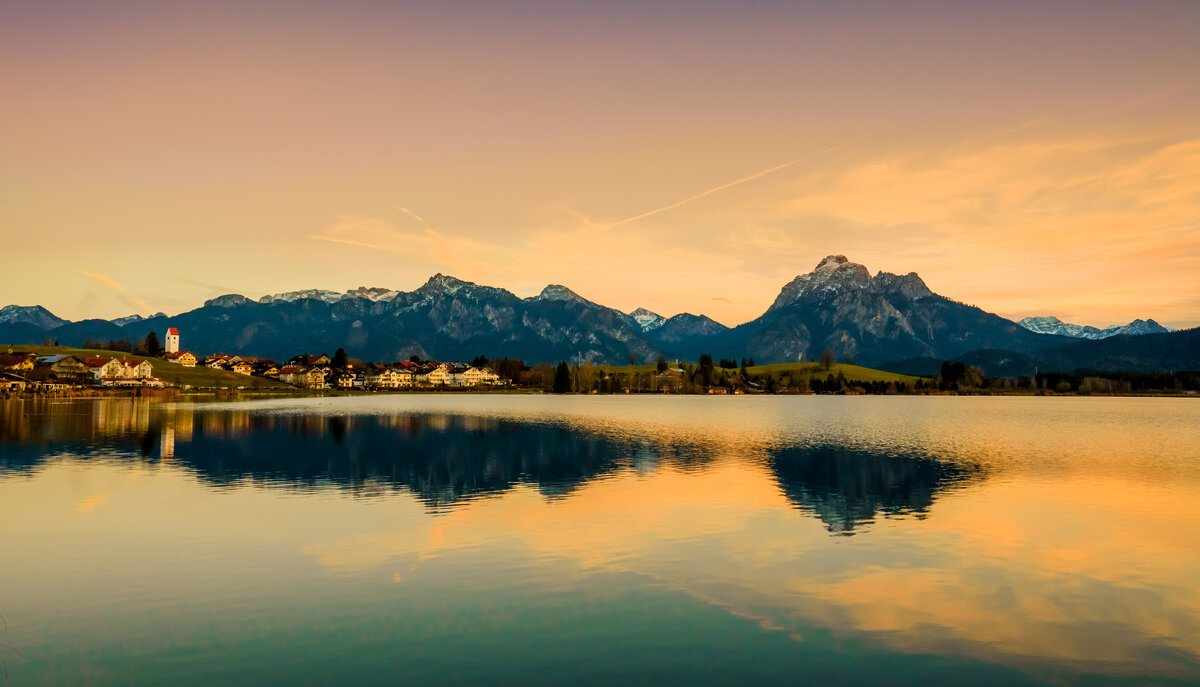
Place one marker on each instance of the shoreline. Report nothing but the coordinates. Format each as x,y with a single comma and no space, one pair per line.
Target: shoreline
173,394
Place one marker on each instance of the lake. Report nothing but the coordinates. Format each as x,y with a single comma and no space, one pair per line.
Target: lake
508,539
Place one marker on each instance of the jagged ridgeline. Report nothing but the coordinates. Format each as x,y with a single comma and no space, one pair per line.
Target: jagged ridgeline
886,320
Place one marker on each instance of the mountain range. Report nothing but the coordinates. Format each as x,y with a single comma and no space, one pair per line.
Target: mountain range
1053,325
886,320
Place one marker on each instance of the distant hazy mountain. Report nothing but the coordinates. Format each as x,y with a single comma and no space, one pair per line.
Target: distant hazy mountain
885,320
34,315
135,318
1053,325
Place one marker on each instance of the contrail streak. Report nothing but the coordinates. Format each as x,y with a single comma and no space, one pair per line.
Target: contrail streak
415,216
351,242
722,187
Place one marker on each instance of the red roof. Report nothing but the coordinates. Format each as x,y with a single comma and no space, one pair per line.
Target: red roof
173,331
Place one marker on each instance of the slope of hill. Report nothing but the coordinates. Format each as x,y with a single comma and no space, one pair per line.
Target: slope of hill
177,375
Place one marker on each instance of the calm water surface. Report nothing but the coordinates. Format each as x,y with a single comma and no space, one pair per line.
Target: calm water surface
448,540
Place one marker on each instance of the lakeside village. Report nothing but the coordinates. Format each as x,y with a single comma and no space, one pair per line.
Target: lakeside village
23,372
28,371
33,372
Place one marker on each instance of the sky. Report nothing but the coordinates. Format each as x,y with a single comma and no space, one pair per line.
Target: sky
1030,158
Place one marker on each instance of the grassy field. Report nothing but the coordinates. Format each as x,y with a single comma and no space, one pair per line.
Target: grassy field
853,373
626,369
200,377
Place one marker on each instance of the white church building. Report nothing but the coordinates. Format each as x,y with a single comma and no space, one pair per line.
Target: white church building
172,340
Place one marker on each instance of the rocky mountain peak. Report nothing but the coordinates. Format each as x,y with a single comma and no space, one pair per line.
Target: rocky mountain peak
558,292
834,273
373,293
832,262
1052,325
30,314
910,285
229,300
647,320
310,294
443,283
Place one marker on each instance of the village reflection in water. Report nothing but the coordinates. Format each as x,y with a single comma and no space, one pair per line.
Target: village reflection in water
1044,538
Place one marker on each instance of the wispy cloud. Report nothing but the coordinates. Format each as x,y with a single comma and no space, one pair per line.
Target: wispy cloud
430,244
1092,228
211,287
122,293
107,281
415,216
368,232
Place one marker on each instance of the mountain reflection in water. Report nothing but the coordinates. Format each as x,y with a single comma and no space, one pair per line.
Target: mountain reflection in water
469,539
846,488
444,459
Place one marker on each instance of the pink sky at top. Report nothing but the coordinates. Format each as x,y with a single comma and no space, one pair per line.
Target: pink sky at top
1031,158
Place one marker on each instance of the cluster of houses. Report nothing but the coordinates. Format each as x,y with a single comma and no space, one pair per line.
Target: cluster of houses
25,371
316,372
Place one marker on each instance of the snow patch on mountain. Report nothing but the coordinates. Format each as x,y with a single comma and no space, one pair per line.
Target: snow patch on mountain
373,293
648,321
837,274
30,314
443,284
558,292
1053,325
229,300
134,318
314,294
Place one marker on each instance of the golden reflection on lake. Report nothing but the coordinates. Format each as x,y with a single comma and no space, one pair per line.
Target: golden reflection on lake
1052,536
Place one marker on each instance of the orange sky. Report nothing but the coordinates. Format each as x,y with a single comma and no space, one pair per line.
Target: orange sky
1029,158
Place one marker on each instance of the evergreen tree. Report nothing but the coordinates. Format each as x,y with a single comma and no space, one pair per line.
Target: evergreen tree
153,347
706,369
562,378
662,364
339,358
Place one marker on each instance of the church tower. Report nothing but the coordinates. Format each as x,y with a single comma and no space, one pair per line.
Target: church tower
172,340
